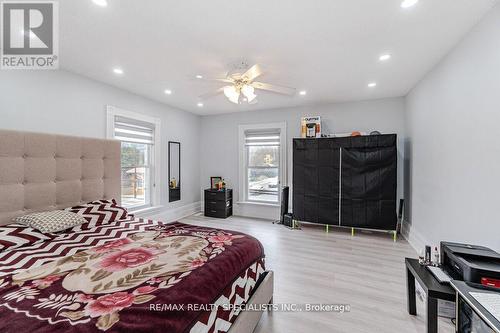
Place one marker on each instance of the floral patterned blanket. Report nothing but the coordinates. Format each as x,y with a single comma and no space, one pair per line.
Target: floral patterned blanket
120,285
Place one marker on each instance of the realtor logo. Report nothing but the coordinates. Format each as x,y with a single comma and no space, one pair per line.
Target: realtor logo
29,35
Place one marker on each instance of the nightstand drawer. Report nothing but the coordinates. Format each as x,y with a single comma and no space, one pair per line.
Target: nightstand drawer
215,204
220,213
213,195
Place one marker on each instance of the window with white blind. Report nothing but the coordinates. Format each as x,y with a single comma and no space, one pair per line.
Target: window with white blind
139,137
262,167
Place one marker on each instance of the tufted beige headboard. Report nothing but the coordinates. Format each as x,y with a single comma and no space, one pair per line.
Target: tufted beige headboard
40,172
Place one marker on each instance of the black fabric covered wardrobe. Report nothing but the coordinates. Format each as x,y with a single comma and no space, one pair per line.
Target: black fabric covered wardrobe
347,182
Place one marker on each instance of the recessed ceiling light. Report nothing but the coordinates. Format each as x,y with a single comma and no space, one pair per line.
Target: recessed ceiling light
200,104
199,76
118,71
372,84
302,93
385,57
102,3
168,91
408,3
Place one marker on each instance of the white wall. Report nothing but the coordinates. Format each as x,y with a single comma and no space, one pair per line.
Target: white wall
60,102
453,121
219,138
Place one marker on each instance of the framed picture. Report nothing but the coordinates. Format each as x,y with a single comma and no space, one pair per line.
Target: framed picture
214,181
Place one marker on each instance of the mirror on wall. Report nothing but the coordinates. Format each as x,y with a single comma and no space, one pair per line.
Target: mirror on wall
174,171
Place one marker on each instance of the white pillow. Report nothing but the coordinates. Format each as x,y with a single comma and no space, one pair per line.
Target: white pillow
49,222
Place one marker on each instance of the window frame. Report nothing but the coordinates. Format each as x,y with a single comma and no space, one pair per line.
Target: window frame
243,160
155,158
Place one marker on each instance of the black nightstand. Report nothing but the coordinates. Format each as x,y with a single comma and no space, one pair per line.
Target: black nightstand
219,203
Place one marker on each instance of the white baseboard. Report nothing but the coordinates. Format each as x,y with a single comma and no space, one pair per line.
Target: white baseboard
252,210
415,238
174,214
257,211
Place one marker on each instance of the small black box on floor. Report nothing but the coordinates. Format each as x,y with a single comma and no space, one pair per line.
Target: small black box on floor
288,220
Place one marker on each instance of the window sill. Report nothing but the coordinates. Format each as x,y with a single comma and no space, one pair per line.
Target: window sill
258,203
146,210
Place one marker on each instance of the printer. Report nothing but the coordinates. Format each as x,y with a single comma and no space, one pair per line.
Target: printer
471,263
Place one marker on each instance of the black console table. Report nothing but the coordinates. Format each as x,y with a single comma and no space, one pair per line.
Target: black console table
219,203
433,289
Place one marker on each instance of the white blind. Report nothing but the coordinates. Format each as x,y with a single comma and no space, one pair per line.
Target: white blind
268,138
131,130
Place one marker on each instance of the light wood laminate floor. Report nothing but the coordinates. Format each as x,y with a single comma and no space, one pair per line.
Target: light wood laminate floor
366,271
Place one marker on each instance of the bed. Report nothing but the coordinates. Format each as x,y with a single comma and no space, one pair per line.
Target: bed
114,273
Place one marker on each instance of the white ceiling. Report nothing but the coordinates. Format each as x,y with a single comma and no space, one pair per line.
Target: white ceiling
328,47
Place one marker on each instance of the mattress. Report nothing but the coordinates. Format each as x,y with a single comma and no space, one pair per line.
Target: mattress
133,275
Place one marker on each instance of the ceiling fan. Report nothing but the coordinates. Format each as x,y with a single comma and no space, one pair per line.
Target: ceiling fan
242,85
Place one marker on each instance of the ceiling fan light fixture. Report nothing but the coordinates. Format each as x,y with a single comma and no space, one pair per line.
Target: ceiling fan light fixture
235,99
249,92
232,94
251,98
241,85
229,91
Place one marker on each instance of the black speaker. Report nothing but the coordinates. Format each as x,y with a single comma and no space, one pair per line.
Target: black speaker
288,220
284,202
401,209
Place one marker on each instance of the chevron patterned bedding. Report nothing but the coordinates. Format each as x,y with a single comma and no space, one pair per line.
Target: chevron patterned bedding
99,212
131,275
16,235
95,213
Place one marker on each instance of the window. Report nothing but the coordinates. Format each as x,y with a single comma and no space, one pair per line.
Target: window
261,162
138,136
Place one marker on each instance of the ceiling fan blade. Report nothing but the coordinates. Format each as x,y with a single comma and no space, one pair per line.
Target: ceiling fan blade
254,101
254,72
274,88
212,93
227,80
